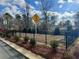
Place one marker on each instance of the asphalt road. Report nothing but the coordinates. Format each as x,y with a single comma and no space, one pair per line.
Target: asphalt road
7,52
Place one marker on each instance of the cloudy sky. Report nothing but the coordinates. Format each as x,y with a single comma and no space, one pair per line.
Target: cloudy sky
64,7
58,5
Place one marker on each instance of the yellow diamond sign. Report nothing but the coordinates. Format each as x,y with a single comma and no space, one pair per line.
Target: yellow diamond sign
36,18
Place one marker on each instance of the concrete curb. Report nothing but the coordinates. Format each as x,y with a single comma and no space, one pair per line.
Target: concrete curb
23,51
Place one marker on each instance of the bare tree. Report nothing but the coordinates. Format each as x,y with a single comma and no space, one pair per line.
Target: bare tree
45,7
2,22
77,20
26,18
8,22
18,18
8,18
27,10
26,23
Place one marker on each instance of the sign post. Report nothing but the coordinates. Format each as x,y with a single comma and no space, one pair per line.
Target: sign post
36,19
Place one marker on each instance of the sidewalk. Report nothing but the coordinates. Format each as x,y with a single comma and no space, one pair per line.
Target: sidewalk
23,51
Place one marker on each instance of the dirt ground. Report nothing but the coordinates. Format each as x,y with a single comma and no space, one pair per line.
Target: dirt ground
41,37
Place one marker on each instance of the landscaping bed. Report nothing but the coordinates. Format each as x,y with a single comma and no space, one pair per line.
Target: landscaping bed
42,50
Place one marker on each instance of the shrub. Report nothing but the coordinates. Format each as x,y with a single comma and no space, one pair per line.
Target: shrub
32,42
54,44
26,39
67,55
8,36
16,38
3,35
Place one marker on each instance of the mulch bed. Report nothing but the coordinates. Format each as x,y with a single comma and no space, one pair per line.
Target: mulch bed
42,50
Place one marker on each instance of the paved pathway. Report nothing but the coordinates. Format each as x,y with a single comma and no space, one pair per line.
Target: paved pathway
23,51
6,52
